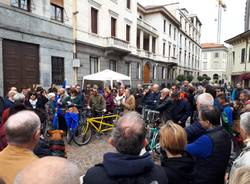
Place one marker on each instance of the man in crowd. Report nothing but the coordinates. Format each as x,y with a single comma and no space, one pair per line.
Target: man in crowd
180,109
152,97
128,102
138,98
195,130
49,170
9,101
245,100
165,105
23,132
212,150
128,164
97,102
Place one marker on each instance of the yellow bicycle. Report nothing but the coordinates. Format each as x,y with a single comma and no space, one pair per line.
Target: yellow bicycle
100,124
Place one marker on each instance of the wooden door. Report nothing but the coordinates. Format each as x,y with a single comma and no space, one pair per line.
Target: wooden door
20,64
146,73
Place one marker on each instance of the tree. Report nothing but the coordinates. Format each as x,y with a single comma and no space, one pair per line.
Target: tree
180,78
200,78
189,78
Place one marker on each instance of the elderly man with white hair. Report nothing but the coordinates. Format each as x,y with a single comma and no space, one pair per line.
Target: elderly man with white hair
23,132
244,158
195,130
165,105
49,170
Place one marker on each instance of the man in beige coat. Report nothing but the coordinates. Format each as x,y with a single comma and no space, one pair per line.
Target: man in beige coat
23,133
128,102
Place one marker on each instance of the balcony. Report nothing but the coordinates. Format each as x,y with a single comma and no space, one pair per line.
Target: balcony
117,45
144,25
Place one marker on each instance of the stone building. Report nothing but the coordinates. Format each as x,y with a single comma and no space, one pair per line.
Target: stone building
35,43
214,62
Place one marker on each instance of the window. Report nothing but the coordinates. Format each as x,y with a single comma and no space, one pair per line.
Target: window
154,72
112,65
174,52
180,53
113,27
174,33
164,49
164,26
216,55
138,70
170,29
94,20
127,33
56,12
185,42
243,55
233,57
57,64
163,73
94,65
153,44
169,50
128,4
127,68
22,4
180,39
249,55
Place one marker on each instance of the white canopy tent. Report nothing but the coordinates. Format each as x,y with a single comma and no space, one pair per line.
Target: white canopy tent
107,75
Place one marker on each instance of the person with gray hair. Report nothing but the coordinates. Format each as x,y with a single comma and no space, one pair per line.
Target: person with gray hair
49,170
129,164
244,158
195,130
164,105
23,132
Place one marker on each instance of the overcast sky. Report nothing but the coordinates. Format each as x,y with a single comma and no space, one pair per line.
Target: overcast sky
232,18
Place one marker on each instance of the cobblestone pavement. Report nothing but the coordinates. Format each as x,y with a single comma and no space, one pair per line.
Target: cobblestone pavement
89,155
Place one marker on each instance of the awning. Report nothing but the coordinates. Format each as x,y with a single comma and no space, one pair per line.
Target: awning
244,76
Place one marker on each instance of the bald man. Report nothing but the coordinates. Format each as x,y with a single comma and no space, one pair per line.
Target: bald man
195,130
23,132
127,165
49,170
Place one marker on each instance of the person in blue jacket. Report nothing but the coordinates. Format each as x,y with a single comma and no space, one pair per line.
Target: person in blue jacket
212,150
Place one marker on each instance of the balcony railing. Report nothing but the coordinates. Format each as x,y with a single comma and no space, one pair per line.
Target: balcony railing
146,26
117,43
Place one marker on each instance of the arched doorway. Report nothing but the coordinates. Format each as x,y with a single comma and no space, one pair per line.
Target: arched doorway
146,73
216,78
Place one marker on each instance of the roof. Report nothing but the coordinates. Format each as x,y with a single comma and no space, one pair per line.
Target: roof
158,9
212,46
238,37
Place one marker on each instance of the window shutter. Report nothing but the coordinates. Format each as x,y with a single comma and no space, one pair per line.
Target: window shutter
94,13
57,2
113,27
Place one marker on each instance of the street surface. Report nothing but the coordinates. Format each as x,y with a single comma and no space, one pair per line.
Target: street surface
89,155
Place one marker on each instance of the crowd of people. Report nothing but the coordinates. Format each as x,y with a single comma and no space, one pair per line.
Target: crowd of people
204,134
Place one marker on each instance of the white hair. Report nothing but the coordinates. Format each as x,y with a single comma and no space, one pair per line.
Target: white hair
49,170
50,95
205,99
20,127
245,122
165,90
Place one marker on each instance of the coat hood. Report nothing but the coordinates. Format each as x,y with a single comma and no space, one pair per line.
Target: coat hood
117,164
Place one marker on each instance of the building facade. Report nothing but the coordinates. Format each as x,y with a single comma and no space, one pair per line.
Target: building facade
44,42
247,15
35,43
239,59
215,62
143,42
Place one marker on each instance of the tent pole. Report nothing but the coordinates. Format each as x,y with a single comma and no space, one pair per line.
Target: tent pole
111,84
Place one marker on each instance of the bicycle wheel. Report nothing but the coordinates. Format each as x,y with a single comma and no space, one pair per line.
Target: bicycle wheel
83,134
157,147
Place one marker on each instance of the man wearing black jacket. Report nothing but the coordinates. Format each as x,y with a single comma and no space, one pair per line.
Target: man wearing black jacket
128,164
165,105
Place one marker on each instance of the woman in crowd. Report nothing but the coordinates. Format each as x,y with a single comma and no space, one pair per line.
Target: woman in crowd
177,163
110,104
34,102
128,102
73,99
